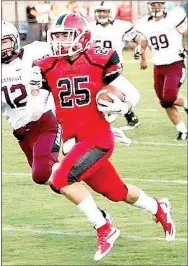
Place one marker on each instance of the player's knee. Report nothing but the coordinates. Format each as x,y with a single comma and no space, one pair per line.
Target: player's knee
168,100
54,189
41,172
118,193
167,104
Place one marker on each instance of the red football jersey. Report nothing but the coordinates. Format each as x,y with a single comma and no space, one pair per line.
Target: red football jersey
74,85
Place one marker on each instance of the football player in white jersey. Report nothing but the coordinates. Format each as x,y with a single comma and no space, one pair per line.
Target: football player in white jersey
32,135
108,32
163,32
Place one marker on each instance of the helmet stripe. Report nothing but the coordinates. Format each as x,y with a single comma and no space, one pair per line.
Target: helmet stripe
60,20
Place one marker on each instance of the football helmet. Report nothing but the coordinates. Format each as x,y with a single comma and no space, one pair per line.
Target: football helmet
108,14
70,35
156,8
10,42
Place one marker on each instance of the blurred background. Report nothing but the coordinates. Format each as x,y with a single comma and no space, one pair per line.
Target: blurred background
33,18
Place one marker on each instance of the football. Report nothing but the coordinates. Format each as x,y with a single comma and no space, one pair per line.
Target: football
103,94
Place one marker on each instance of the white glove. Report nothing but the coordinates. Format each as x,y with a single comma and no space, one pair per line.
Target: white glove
110,118
35,78
117,106
120,137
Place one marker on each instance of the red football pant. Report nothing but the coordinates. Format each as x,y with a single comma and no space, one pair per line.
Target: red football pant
167,82
106,181
88,161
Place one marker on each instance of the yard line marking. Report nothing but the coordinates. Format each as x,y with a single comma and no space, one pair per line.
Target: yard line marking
180,182
83,233
159,143
148,143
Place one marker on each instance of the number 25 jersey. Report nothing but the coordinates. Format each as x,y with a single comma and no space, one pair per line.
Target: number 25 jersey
74,85
164,36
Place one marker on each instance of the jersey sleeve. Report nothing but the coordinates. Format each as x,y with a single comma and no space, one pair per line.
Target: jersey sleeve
180,20
130,33
45,85
141,27
112,69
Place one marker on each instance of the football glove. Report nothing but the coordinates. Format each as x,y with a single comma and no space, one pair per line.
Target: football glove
117,106
137,52
183,53
35,77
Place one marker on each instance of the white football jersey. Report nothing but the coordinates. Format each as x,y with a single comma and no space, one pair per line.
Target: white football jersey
14,92
113,35
164,36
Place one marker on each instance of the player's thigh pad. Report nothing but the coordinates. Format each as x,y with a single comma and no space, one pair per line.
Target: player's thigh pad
45,154
106,181
158,82
82,161
171,84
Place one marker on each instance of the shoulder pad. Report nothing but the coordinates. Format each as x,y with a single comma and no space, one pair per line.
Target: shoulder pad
45,63
177,15
99,56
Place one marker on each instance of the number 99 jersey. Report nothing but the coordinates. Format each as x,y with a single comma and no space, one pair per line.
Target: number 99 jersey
165,37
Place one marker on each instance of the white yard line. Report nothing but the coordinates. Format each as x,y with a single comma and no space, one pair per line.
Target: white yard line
83,233
179,182
148,143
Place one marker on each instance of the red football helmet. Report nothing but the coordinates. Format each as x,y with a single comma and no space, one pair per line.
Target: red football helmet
70,35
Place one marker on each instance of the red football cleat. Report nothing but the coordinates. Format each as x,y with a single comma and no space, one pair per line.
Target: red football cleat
164,217
107,236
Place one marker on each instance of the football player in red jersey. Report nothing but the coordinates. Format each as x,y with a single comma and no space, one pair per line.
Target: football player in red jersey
74,75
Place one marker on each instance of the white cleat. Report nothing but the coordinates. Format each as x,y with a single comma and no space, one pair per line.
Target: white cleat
163,216
106,235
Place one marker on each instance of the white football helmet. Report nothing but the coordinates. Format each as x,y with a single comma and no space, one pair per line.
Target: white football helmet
156,8
9,31
109,8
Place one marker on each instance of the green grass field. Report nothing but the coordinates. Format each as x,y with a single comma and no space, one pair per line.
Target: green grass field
41,228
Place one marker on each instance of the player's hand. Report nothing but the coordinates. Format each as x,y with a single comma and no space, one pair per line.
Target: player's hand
35,78
117,106
183,53
143,64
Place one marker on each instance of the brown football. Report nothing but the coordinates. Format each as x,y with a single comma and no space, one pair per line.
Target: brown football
103,93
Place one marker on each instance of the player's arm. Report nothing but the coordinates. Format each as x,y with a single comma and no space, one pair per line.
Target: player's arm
112,76
38,96
131,35
144,45
181,26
